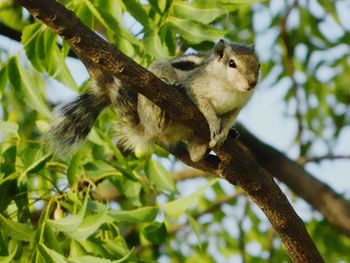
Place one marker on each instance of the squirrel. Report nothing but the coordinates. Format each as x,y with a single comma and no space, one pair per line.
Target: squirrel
219,83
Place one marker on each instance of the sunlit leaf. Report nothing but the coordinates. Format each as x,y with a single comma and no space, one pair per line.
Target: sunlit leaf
154,46
73,169
195,32
91,259
26,87
160,176
38,164
178,207
97,14
132,191
11,15
50,255
70,223
3,80
16,230
89,225
195,227
144,214
29,40
9,129
200,11
138,12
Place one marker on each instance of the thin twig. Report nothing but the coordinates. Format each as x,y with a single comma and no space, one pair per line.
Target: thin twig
318,159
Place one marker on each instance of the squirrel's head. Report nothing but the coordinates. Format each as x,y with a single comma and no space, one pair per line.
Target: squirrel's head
238,64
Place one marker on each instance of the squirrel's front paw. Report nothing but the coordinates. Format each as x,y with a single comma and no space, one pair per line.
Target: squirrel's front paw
217,140
215,133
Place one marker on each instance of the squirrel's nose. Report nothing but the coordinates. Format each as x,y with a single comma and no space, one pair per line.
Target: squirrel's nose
252,84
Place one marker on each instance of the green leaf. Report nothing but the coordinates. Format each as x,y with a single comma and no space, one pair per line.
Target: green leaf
70,223
94,247
153,45
3,80
200,11
76,250
73,169
85,15
155,4
43,126
8,259
39,164
160,176
116,246
138,12
26,87
54,60
178,207
91,259
30,36
238,2
97,14
16,230
120,157
50,255
7,174
8,165
89,225
155,232
159,151
12,15
51,239
9,129
195,228
195,32
144,214
45,234
132,191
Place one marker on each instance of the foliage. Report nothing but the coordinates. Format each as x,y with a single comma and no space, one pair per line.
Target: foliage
101,205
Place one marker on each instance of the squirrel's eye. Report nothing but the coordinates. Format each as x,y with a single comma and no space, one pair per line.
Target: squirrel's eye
232,63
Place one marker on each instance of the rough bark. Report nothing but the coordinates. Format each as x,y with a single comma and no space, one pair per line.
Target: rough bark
318,194
234,162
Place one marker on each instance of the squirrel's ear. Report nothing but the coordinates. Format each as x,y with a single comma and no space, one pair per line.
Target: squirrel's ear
220,48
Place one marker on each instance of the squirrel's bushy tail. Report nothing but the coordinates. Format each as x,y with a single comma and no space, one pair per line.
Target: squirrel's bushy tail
74,121
129,129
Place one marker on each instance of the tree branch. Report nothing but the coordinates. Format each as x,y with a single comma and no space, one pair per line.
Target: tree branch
9,32
318,194
236,164
188,174
318,159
